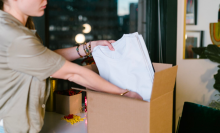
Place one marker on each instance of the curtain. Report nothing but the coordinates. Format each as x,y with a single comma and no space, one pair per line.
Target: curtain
161,28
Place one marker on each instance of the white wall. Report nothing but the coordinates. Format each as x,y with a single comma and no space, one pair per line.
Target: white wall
207,13
195,76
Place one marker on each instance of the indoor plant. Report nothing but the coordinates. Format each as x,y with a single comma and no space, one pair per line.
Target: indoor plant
211,52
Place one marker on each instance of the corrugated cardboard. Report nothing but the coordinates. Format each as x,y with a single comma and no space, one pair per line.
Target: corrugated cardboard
108,113
68,104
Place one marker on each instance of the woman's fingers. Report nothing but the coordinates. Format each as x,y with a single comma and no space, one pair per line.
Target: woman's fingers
105,43
133,94
110,45
111,41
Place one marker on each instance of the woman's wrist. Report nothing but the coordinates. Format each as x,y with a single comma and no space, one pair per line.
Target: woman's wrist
127,94
85,49
93,44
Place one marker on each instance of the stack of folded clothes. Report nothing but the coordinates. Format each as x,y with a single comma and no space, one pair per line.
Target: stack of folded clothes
129,66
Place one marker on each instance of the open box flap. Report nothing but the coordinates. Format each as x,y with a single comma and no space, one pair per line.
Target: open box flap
161,114
164,82
161,66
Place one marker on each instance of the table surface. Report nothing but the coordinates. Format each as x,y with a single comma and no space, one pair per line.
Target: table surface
54,124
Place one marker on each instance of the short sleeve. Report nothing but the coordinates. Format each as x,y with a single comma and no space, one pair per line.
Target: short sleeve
27,54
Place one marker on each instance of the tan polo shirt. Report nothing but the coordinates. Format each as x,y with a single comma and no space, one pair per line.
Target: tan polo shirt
25,64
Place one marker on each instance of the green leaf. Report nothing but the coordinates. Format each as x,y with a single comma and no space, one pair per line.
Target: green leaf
217,87
212,52
217,77
213,49
200,52
217,81
214,58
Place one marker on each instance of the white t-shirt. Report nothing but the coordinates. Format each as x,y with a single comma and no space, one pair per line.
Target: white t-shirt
129,66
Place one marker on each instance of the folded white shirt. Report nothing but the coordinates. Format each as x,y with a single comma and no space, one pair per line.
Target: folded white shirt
129,66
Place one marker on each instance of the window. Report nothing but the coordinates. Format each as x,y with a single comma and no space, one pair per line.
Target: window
72,21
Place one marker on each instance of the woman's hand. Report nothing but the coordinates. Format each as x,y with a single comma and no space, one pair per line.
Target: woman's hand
71,53
133,95
103,43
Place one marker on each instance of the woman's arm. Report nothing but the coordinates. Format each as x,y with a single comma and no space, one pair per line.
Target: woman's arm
92,67
89,79
71,54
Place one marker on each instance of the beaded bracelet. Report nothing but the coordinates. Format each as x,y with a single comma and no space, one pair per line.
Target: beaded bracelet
77,49
90,46
86,49
90,55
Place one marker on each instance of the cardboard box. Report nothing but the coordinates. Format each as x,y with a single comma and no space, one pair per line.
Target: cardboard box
108,113
68,104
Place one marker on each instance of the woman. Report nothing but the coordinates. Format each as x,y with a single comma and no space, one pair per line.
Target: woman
25,64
